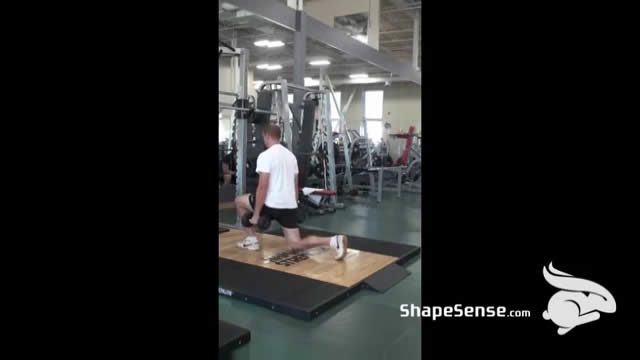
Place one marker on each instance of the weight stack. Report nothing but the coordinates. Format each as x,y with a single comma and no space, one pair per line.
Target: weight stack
304,147
263,102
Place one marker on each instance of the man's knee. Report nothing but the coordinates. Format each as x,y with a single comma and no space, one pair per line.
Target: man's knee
243,201
292,236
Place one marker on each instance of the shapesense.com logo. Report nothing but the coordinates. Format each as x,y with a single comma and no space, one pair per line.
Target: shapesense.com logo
457,311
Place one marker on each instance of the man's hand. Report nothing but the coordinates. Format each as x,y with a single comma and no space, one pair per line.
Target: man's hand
254,219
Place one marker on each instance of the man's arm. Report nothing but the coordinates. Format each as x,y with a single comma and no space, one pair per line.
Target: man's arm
261,193
295,180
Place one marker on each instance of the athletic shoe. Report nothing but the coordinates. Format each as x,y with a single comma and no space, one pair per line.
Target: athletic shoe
340,246
249,243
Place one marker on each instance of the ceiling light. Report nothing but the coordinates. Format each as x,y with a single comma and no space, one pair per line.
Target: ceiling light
276,43
274,67
228,7
262,66
365,81
310,82
319,62
361,38
267,43
358,76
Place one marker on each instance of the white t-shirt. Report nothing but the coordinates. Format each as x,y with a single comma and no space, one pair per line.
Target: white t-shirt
282,167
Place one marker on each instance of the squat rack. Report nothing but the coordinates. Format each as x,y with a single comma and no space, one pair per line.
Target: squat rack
239,116
289,136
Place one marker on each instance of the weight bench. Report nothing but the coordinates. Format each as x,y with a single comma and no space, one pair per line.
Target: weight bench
317,198
380,170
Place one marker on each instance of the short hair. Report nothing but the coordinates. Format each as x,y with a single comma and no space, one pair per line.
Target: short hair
272,131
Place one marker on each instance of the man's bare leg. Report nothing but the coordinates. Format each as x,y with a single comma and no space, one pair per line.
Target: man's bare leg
242,207
227,174
293,239
227,179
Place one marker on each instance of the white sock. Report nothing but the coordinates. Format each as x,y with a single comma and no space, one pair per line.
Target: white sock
334,241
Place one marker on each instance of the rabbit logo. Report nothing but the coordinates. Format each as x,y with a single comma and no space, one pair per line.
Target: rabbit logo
578,302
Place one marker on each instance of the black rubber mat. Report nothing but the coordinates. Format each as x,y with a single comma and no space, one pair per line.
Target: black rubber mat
283,292
386,278
299,296
231,336
401,251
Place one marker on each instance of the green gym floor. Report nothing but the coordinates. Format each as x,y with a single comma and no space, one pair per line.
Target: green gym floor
366,325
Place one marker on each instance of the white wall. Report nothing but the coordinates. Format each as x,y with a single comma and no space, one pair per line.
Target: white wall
326,10
401,105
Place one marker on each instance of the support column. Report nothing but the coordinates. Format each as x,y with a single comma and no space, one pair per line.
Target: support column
366,136
241,129
300,54
416,41
326,121
284,113
235,80
295,4
373,32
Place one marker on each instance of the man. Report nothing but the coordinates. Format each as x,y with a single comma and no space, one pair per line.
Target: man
277,197
227,170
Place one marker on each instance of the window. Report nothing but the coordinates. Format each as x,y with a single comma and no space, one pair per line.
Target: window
335,115
373,104
374,130
290,98
373,101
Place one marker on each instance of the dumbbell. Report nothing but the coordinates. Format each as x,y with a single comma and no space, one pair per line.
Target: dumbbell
263,223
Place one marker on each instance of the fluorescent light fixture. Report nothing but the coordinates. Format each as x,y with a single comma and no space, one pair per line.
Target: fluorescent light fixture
361,38
273,44
228,7
267,43
358,76
310,82
319,62
269,67
365,81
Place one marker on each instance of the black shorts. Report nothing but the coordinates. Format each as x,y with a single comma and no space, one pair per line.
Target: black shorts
287,218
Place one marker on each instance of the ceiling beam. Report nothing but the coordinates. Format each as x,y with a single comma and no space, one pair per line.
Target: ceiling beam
396,40
271,10
279,13
402,4
396,31
392,10
339,40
